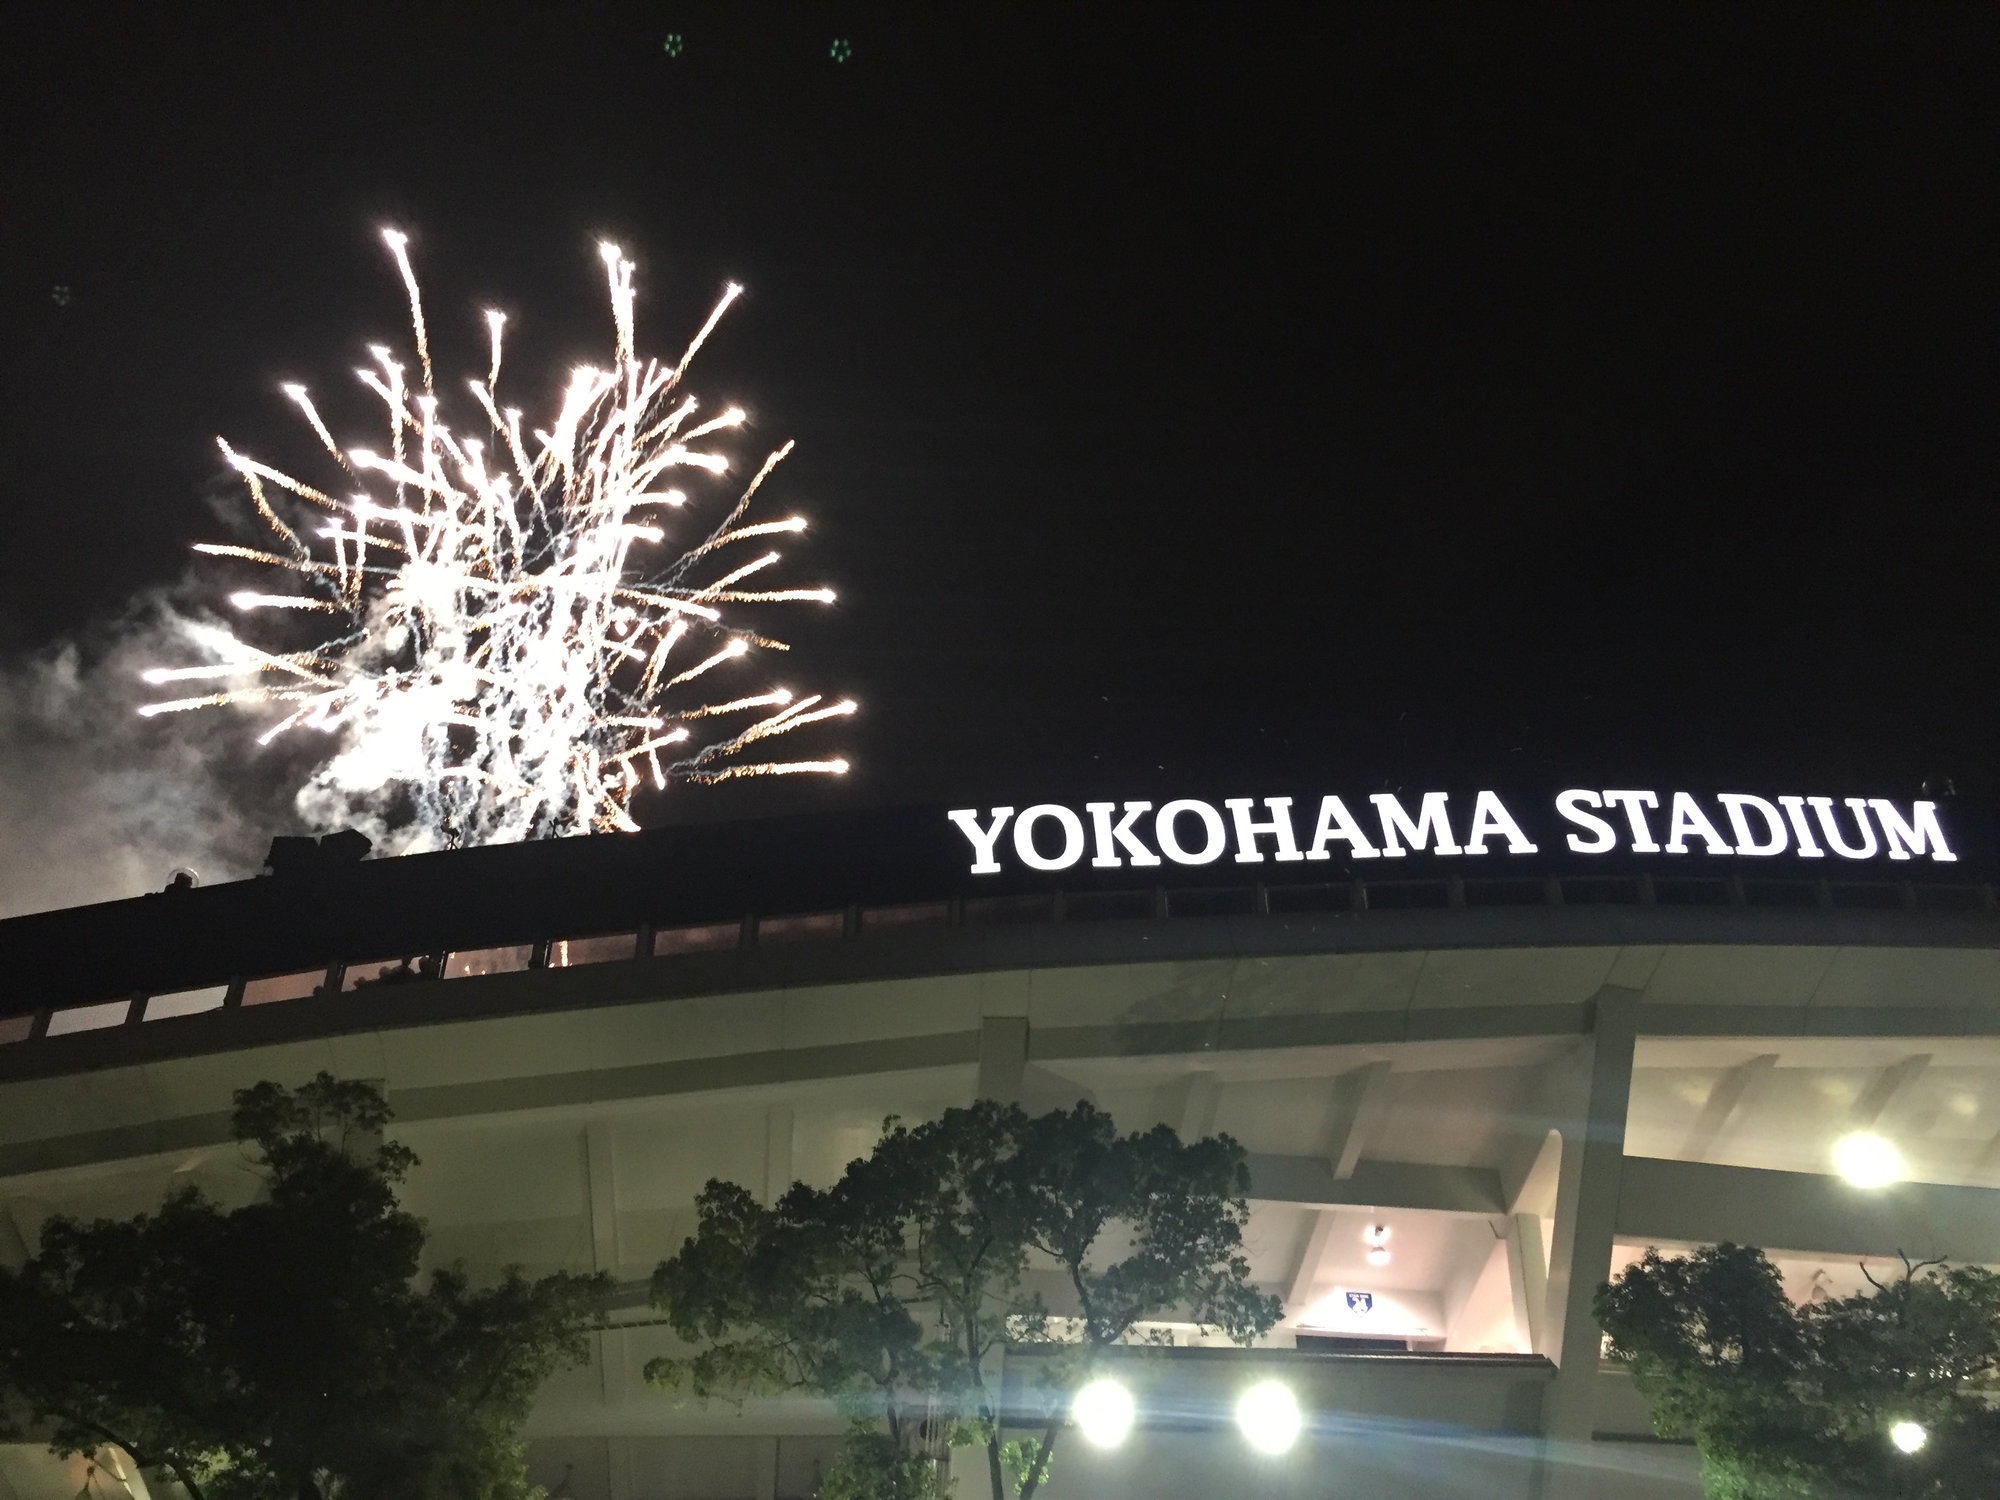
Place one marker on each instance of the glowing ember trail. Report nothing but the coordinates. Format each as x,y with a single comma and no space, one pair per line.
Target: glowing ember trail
513,650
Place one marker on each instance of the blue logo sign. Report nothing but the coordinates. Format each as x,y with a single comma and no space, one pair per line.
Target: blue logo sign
1361,1303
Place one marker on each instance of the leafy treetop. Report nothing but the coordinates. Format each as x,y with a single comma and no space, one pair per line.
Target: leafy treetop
891,1291
1789,1402
286,1350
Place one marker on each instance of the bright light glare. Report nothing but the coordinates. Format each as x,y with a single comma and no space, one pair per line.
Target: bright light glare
1268,1416
1103,1412
1867,1161
1379,1256
1908,1436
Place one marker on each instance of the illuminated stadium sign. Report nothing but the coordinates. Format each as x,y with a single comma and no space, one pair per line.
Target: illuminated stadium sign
1250,830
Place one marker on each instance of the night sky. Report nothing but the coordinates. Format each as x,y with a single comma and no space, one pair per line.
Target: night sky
1187,399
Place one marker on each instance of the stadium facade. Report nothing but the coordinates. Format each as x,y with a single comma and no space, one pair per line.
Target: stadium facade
1482,1049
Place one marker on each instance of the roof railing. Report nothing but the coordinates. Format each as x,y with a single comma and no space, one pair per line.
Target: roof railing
1344,898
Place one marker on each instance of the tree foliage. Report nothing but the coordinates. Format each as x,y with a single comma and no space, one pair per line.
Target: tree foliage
1788,1401
891,1291
286,1349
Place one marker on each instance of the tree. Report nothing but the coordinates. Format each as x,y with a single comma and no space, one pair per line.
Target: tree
285,1350
890,1291
1800,1401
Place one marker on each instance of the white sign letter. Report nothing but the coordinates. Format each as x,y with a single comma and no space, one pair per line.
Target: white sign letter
1490,819
1830,826
1024,837
1336,822
1278,825
1795,809
1905,839
1642,836
1571,805
1211,822
983,839
1119,833
1688,819
1430,823
1775,840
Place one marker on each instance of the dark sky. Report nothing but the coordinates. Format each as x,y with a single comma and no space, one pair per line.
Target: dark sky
1186,397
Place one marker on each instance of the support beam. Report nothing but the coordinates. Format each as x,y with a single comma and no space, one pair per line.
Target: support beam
1890,1088
1734,1092
1700,1203
1987,1164
1189,1104
620,1468
778,1176
600,1189
600,1201
15,1249
1003,1057
1376,1184
1528,1281
1298,1293
1587,1193
1360,1102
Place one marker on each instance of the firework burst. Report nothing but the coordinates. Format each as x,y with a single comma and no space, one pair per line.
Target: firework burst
513,647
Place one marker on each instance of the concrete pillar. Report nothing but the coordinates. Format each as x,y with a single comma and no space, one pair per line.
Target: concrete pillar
778,1175
1528,1282
1003,1058
600,1201
1586,1218
766,1466
601,1193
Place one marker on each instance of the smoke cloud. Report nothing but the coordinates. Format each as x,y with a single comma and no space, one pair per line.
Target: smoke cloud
97,803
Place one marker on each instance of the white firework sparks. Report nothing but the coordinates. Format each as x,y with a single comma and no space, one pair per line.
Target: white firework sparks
509,654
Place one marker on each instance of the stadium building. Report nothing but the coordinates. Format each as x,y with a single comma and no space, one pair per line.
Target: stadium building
1482,1049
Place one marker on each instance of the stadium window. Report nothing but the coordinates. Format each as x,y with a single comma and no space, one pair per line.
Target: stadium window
186,1002
382,972
476,961
805,928
89,1017
275,987
1106,906
927,914
1310,898
1238,901
983,910
568,953
705,939
16,1029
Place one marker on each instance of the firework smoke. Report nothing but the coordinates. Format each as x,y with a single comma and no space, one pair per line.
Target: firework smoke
511,647
96,804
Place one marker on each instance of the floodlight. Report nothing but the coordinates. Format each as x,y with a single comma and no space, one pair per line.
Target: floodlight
1908,1436
1268,1416
1867,1161
1103,1411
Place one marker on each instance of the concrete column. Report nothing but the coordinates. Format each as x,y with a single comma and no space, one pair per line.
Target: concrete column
15,1247
778,1175
1586,1219
1003,1057
1528,1281
1360,1107
1189,1103
601,1193
766,1475
600,1201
